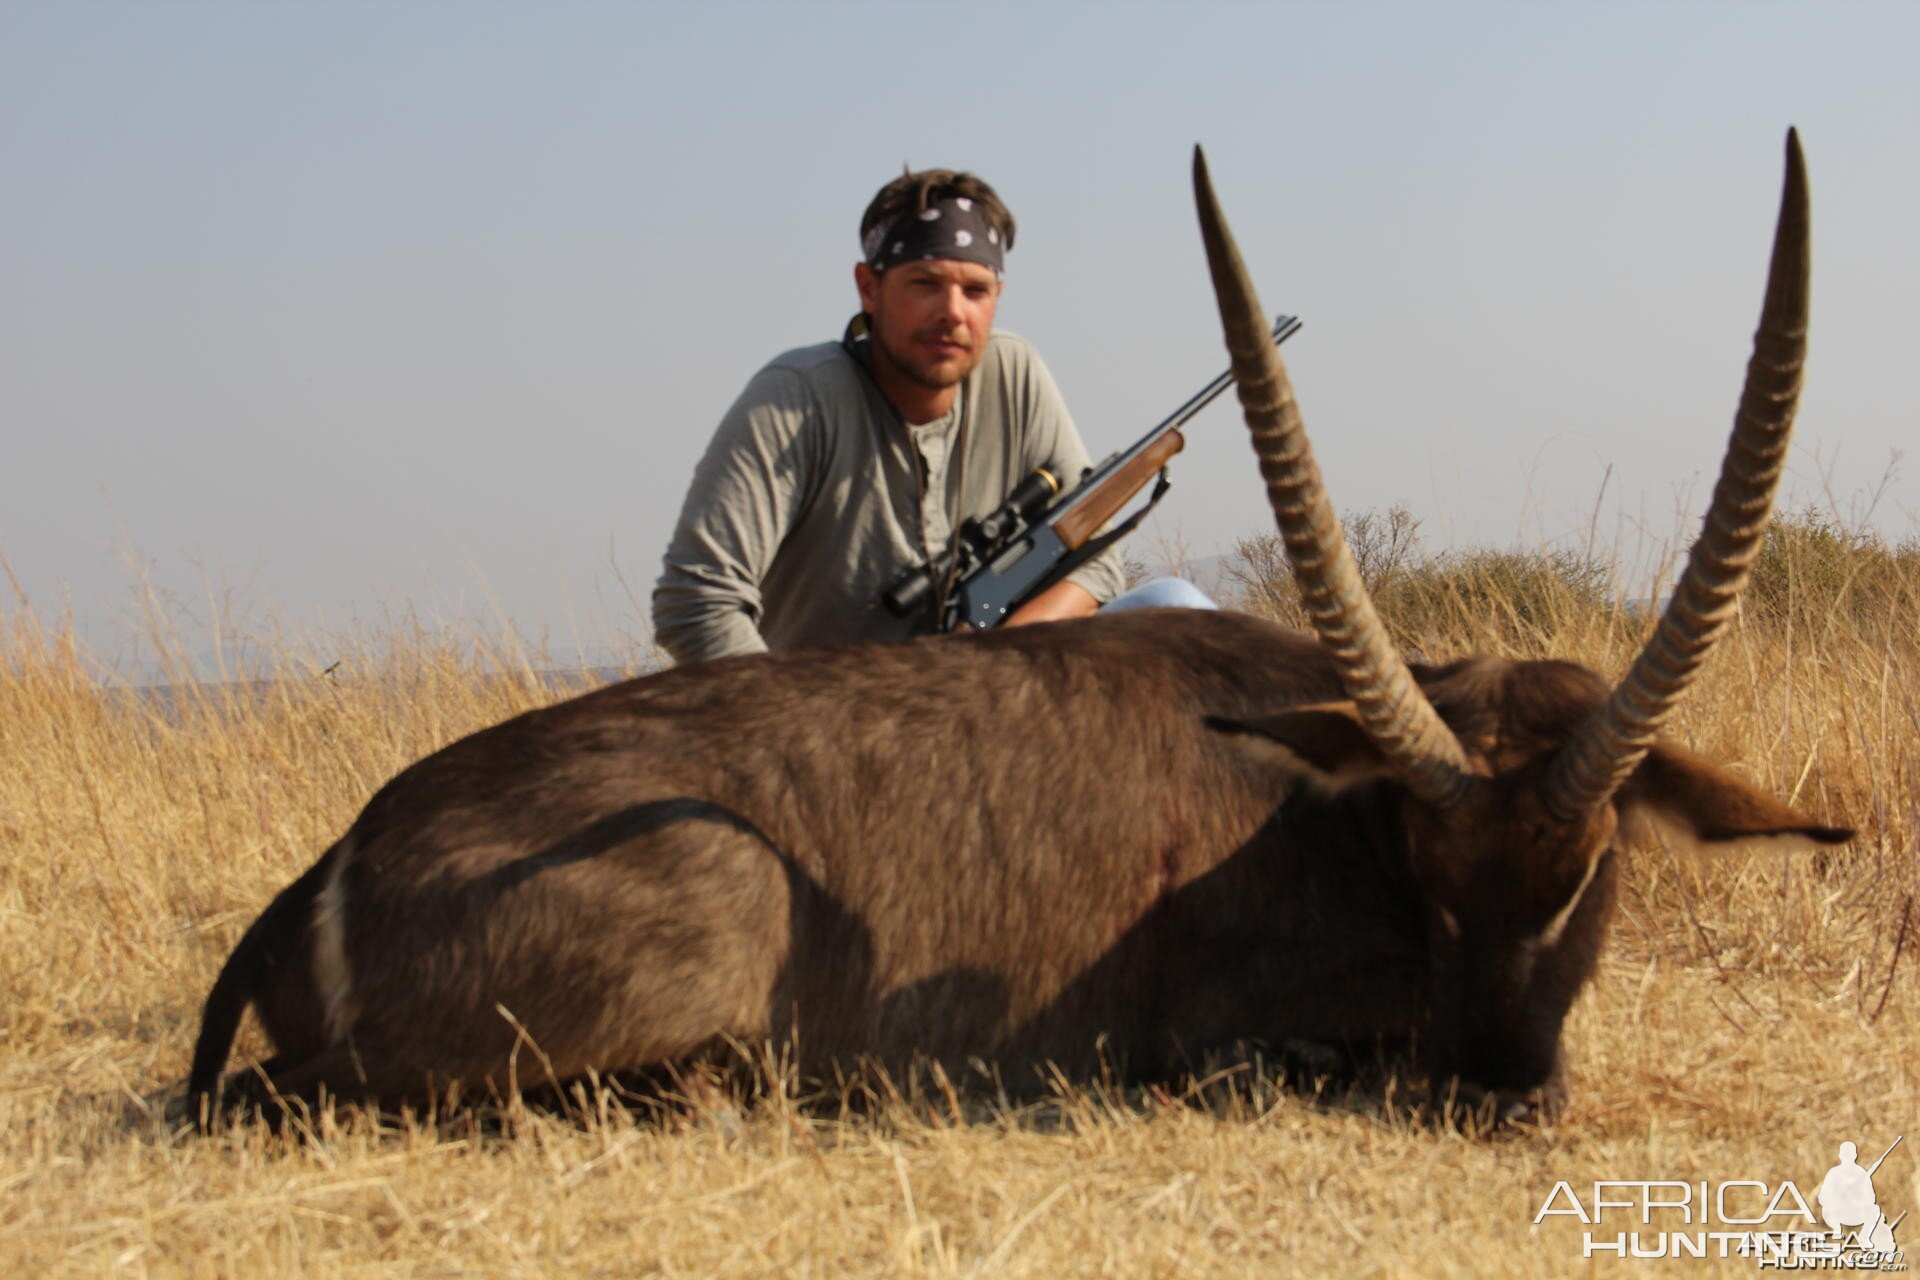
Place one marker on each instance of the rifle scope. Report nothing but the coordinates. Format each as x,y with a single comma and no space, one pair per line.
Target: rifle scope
979,539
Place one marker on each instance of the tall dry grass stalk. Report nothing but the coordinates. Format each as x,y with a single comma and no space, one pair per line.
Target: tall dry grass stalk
1752,1013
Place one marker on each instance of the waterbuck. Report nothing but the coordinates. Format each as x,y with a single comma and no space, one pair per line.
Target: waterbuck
1127,840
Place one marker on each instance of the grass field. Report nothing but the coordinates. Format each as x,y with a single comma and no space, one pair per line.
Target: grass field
1752,1011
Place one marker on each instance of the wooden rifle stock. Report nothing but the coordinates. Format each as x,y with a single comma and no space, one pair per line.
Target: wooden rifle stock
1088,514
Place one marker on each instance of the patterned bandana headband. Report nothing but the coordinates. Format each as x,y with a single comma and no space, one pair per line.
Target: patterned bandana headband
952,228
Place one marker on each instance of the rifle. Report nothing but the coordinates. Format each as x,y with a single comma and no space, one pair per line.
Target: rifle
1040,534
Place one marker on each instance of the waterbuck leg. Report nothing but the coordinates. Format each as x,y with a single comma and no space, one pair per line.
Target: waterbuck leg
282,1088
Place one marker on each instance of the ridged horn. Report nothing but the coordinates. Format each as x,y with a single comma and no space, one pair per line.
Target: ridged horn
1392,707
1594,763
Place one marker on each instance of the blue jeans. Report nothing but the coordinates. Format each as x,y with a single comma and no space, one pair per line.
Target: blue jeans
1161,593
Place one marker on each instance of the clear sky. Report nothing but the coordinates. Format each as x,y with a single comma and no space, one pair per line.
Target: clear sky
340,309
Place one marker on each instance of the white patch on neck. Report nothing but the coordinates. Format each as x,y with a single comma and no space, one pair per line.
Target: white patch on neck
1550,936
332,977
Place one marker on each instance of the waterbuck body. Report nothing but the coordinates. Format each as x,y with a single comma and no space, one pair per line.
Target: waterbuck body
1043,845
1024,847
1130,840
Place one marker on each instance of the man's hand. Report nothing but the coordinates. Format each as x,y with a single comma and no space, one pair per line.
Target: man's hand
1059,601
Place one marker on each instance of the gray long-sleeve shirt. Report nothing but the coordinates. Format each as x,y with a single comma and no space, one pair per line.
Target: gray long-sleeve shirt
814,497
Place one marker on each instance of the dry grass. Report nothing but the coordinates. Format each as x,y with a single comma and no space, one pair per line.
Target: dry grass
1752,1013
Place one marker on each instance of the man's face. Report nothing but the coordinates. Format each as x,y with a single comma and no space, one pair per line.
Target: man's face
931,319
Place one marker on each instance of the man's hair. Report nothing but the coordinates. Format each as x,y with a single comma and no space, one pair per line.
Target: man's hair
913,192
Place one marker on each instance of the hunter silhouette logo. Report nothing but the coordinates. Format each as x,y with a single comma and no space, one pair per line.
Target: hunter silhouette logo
1847,1200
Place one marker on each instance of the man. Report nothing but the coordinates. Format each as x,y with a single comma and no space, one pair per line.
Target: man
844,465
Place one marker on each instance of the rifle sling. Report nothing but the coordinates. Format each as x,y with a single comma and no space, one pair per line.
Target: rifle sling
1095,545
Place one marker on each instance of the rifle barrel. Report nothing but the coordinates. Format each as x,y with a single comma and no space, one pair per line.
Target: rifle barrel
1284,327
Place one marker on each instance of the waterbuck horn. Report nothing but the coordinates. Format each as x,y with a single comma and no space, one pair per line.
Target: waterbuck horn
1593,763
1395,712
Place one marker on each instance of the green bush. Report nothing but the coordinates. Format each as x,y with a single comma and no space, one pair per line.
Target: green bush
1478,598
1814,572
1811,575
1512,599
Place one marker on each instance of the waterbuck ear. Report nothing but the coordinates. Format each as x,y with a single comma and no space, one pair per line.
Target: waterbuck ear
1327,739
1701,801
